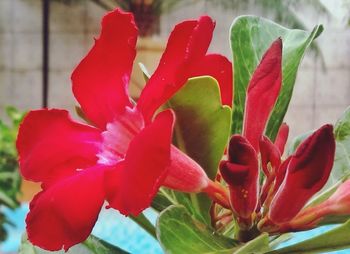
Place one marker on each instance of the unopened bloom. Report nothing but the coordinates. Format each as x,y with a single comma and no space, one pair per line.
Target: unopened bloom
126,154
307,172
262,93
241,174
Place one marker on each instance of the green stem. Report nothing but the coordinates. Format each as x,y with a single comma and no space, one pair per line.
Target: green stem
144,223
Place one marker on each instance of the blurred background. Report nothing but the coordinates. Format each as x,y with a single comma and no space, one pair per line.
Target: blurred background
41,41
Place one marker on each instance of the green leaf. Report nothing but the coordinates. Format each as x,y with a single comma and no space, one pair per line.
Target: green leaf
198,205
335,239
202,123
92,245
98,246
178,232
162,200
202,131
341,167
250,38
258,245
277,240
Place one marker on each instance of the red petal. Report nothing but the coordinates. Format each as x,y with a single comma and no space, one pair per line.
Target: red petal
262,93
132,185
50,144
269,154
64,214
220,68
281,174
187,44
101,79
282,137
307,173
241,174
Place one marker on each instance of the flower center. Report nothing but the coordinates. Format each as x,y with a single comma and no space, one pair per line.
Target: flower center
118,135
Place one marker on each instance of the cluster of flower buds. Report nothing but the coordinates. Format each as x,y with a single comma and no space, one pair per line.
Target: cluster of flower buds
289,183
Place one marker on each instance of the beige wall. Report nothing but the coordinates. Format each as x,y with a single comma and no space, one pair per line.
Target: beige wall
320,96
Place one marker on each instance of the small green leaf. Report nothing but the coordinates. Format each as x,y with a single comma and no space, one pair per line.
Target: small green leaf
92,245
335,239
258,245
250,38
178,232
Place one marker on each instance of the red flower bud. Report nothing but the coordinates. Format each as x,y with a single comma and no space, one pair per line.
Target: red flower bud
307,172
262,93
241,174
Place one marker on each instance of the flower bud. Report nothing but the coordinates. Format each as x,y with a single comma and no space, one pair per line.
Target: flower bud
241,174
307,172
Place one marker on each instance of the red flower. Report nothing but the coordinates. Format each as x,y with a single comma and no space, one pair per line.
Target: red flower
127,154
